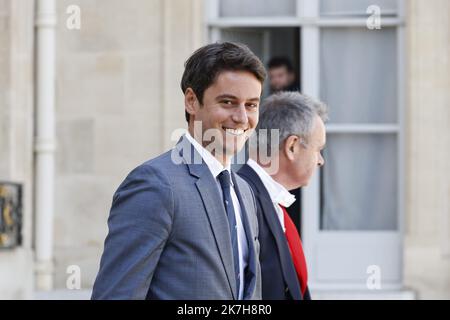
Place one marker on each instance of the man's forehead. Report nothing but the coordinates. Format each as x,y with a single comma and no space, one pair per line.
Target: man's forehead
243,86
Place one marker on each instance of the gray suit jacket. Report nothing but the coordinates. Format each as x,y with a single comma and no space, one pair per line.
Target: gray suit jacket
169,236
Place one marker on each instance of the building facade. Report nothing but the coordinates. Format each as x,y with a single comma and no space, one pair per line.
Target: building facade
117,102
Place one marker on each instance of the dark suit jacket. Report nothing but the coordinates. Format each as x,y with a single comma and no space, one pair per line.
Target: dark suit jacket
169,236
279,279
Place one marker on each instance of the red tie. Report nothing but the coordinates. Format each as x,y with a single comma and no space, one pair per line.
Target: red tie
296,249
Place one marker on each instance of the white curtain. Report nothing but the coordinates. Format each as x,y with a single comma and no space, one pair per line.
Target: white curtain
359,83
360,182
359,74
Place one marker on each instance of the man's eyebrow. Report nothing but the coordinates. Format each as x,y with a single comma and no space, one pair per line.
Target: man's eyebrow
230,96
226,96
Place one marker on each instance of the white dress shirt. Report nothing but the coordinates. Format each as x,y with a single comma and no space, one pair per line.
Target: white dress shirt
278,194
216,168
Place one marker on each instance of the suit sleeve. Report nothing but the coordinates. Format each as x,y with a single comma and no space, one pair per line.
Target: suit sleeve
139,223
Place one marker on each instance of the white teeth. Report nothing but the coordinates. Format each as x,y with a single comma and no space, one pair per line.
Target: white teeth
236,132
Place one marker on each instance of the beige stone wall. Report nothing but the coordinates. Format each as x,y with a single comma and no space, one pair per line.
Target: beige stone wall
427,244
16,136
4,86
118,99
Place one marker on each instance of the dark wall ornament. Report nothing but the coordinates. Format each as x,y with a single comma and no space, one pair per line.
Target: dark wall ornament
10,215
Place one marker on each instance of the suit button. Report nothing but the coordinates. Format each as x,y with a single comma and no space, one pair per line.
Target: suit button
286,290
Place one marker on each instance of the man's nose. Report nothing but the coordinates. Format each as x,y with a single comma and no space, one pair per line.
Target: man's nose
321,160
240,114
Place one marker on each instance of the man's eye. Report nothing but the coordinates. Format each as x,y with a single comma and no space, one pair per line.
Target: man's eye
252,105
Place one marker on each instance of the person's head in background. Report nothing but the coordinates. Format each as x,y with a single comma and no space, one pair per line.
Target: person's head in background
222,86
297,153
281,75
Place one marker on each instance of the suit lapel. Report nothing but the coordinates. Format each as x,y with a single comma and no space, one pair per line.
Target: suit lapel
270,215
212,201
245,203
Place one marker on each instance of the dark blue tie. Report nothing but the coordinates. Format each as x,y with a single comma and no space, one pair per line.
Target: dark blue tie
225,182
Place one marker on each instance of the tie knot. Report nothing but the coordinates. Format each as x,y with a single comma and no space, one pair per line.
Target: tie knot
225,179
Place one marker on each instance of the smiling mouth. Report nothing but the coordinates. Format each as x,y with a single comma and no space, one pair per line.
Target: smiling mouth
235,132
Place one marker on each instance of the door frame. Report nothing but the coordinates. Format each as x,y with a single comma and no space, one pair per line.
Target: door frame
310,22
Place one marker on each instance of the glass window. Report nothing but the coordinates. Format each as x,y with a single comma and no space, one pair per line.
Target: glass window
267,43
359,182
358,74
257,8
252,37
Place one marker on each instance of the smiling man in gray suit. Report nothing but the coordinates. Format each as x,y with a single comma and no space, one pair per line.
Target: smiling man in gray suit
183,225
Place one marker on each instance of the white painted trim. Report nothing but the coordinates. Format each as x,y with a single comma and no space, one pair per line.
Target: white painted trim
357,22
299,8
383,294
212,9
266,45
253,22
297,22
345,286
401,11
401,140
214,34
310,78
45,141
308,19
310,8
362,128
356,14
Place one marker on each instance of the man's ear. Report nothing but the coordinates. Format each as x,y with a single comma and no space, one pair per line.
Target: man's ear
191,102
290,144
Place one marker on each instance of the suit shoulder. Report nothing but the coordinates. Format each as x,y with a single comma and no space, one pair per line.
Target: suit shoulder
162,161
151,171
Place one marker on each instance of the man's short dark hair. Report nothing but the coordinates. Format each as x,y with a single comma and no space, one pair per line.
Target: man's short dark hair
206,63
277,62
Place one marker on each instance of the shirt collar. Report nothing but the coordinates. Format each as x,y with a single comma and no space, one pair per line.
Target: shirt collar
213,164
278,193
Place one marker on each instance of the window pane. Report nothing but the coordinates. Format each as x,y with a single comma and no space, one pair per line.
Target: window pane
358,74
257,8
267,43
252,37
359,182
356,7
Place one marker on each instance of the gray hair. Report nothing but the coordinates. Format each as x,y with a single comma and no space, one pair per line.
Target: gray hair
291,113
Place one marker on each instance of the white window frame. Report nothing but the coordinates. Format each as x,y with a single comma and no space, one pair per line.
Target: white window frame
310,22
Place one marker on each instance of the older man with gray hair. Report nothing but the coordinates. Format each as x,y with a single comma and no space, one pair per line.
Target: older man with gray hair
299,122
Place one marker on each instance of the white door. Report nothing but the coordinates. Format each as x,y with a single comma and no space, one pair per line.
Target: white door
352,211
352,221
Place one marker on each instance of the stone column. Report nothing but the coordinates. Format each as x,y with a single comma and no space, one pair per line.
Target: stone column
16,136
427,243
